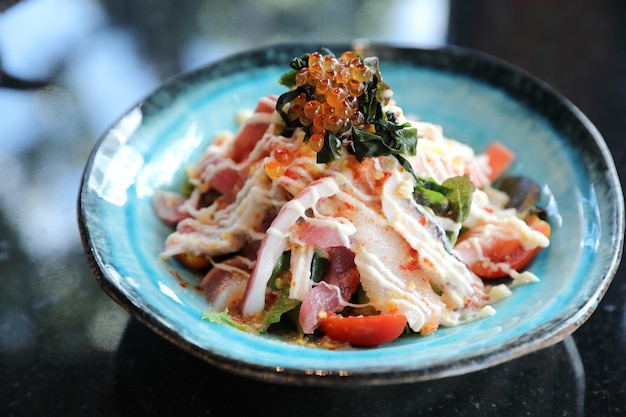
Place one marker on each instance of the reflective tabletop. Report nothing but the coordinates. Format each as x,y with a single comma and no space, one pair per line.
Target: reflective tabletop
71,68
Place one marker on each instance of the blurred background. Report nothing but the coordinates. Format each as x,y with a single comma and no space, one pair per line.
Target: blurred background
71,68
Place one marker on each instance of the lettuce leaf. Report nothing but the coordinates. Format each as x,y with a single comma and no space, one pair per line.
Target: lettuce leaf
223,318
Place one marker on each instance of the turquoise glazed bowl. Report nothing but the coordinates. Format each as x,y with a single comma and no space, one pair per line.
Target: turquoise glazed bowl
476,98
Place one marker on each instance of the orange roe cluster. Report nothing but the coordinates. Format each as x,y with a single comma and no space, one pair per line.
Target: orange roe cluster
337,84
335,101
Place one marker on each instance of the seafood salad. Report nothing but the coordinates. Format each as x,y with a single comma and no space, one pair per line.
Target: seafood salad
333,218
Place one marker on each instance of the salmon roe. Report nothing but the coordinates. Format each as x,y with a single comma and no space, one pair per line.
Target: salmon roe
328,95
283,156
274,169
338,83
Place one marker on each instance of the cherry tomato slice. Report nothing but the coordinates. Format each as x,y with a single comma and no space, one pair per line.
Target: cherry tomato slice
364,331
510,252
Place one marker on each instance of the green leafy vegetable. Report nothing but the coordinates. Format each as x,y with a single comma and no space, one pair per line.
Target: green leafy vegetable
187,186
371,107
288,79
331,149
436,288
223,318
282,305
522,191
281,267
523,195
318,266
452,199
430,194
460,197
280,287
389,139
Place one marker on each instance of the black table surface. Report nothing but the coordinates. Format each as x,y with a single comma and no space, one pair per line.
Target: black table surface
71,68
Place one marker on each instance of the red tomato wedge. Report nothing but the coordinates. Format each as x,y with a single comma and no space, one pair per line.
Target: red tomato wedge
500,157
364,331
510,252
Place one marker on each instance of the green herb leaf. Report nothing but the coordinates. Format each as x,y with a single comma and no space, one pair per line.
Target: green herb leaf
400,139
331,149
288,79
318,266
406,165
460,197
281,267
429,193
187,187
452,199
299,62
436,288
366,144
389,139
371,108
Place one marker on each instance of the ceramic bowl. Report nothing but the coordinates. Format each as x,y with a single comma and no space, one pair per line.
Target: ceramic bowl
476,98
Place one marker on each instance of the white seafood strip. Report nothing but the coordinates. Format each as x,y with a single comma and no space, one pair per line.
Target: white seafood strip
442,268
384,285
300,265
276,238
